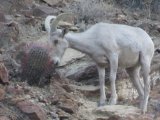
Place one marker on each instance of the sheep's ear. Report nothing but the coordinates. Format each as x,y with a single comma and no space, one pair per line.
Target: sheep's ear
64,31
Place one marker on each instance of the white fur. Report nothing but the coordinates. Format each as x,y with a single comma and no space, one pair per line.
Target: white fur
124,46
47,22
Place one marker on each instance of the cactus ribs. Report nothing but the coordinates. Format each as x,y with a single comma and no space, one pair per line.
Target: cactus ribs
37,66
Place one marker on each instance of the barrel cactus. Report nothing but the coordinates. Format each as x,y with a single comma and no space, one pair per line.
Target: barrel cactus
36,64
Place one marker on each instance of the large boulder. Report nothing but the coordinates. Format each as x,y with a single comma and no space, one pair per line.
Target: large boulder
34,111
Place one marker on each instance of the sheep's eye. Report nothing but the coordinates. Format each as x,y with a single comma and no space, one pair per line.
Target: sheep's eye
55,42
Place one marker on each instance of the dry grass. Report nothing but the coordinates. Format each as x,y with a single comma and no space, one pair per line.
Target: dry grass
91,10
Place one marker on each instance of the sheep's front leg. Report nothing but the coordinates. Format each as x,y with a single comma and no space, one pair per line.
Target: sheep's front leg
101,72
112,77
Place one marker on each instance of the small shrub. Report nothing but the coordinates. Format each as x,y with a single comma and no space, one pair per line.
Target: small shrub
90,10
150,5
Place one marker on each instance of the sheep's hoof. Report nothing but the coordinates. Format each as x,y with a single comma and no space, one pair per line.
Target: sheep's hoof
143,108
143,111
101,104
112,101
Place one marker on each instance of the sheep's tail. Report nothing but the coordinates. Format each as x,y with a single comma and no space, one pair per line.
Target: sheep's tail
47,23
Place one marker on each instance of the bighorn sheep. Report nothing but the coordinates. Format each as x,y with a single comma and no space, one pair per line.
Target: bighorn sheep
122,45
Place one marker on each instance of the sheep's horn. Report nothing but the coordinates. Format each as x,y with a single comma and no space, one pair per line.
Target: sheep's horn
62,16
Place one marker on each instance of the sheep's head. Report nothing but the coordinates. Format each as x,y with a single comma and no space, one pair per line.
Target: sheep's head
59,44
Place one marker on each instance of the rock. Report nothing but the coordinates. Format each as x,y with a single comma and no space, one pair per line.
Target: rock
74,29
70,55
144,117
62,99
3,73
64,103
68,88
158,28
65,24
5,6
52,2
27,13
87,90
42,100
2,17
38,11
136,16
15,90
9,33
33,111
54,115
117,111
85,87
4,118
62,115
121,112
68,105
158,112
158,118
126,90
83,74
42,11
2,94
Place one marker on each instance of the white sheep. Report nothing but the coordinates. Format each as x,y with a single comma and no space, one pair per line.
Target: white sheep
122,45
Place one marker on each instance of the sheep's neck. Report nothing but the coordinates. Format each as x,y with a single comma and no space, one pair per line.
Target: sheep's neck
79,42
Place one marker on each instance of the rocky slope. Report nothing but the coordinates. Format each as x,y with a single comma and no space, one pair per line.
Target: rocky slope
73,92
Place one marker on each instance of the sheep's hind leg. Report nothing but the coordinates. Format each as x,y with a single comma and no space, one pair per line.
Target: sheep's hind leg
145,65
135,78
101,72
